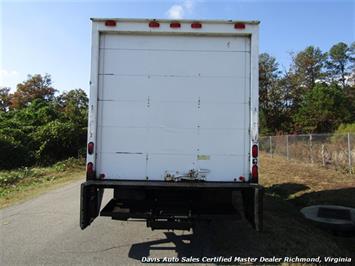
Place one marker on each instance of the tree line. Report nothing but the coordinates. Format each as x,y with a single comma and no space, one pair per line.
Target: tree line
39,128
315,95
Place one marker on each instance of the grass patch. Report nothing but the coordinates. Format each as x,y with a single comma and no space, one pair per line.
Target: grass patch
306,184
23,183
292,185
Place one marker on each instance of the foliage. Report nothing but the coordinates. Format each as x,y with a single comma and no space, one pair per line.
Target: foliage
4,99
308,65
25,181
13,152
68,164
340,55
346,128
44,130
74,106
323,109
316,94
12,177
35,87
350,97
57,140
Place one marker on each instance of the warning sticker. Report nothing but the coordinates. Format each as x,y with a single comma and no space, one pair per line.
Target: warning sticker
203,157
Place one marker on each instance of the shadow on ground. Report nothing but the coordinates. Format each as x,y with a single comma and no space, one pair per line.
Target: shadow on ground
286,232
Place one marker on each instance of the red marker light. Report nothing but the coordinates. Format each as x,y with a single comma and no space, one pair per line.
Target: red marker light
242,178
90,147
90,170
175,25
154,24
196,25
110,23
239,26
254,173
254,151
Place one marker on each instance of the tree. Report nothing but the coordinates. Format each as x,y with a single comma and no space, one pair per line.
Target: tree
323,109
273,99
74,105
308,66
58,140
350,96
13,153
338,63
5,99
268,74
35,87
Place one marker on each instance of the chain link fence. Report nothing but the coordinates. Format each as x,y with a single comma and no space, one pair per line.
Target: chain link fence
330,150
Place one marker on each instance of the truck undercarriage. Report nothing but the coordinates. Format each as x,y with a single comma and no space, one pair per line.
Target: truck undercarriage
171,205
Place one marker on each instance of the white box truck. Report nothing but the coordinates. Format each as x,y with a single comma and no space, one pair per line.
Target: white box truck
173,121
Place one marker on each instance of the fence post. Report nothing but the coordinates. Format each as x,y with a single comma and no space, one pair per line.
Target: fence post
323,155
270,141
287,147
349,153
310,148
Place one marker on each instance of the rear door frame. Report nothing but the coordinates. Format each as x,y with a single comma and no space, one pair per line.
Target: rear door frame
141,26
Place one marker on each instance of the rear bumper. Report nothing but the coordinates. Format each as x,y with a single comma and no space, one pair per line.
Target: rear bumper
157,200
111,183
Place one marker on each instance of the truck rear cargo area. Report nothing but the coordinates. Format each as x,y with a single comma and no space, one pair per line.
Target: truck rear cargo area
173,122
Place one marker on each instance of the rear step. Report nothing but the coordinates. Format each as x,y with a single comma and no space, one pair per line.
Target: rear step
167,215
177,224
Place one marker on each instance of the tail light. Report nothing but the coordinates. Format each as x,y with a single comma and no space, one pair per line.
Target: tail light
154,24
90,147
254,174
254,151
90,170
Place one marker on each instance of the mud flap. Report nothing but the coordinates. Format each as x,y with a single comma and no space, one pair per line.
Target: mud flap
90,203
253,206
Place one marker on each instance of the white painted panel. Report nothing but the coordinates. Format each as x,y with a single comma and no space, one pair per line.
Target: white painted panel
163,100
172,140
122,166
124,113
221,141
173,114
122,140
183,88
172,63
182,43
227,115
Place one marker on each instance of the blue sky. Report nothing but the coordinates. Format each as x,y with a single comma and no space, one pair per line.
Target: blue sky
54,36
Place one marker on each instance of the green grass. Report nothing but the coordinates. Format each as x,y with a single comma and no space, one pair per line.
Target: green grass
23,183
